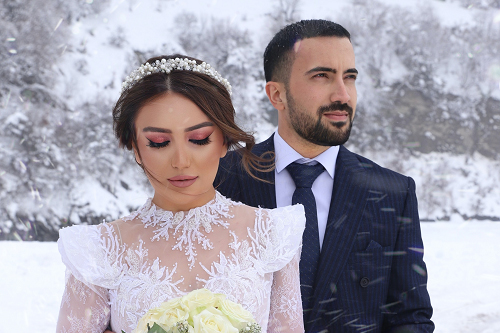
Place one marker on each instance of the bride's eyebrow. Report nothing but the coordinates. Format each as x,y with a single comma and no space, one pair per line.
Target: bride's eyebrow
201,125
156,129
189,129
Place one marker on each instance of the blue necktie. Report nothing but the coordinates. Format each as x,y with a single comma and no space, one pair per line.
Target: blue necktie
304,176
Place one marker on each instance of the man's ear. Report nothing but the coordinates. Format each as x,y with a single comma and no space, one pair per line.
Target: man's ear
276,93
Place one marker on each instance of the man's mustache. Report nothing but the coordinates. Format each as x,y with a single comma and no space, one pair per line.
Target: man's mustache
336,106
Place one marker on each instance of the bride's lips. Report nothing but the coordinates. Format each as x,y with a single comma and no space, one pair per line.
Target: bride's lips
337,116
182,180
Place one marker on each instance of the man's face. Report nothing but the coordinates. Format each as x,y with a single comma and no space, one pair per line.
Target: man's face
321,92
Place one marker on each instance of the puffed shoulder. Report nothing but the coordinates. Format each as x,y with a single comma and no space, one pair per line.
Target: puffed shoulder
278,235
92,254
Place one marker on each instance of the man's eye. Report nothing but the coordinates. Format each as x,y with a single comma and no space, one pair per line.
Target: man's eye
157,144
201,142
321,75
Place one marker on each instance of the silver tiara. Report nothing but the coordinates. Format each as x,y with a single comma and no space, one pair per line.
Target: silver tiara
168,65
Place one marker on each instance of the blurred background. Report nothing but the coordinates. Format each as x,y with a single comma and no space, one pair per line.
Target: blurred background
428,107
429,96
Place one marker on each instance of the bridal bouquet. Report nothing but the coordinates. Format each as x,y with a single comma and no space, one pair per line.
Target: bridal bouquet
200,311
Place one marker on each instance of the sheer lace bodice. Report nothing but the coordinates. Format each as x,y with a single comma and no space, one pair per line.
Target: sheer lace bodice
117,271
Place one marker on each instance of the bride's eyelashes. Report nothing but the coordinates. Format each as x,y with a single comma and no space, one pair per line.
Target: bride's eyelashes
153,144
160,144
201,142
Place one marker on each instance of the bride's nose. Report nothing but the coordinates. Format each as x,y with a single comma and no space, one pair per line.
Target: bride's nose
181,158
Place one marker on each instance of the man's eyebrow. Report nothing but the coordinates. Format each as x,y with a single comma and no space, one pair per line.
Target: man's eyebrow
321,69
332,70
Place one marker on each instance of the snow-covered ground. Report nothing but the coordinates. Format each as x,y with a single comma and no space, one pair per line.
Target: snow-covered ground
463,261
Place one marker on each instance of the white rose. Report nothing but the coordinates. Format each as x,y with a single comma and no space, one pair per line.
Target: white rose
212,320
166,315
237,315
197,300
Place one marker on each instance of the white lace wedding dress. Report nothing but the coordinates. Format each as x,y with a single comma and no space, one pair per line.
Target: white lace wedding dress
117,271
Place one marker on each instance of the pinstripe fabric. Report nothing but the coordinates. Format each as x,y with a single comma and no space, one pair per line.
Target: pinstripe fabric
371,275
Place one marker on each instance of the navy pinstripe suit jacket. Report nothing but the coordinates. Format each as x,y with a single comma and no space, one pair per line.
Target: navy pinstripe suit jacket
371,276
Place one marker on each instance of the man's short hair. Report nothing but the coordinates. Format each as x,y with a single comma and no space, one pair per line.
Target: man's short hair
278,58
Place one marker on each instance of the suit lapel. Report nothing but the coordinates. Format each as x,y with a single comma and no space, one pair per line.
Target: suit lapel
346,209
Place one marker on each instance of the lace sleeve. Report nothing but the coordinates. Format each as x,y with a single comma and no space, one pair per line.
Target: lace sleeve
92,256
82,309
278,236
286,304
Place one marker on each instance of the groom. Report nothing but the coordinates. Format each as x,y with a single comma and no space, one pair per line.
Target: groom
362,266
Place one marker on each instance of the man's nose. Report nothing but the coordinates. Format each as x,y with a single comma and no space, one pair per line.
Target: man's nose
340,93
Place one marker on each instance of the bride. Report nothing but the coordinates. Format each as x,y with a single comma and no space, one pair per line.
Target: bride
176,114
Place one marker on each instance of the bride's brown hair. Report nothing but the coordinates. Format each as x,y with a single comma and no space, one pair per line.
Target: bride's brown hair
204,91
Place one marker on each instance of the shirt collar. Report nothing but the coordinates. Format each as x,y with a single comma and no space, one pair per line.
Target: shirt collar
286,155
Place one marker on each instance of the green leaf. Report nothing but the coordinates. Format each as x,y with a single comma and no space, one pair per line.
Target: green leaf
156,329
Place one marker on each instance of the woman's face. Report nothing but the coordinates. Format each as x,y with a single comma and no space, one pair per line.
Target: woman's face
180,147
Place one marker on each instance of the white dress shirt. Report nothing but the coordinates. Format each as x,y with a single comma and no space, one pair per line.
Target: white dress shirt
322,187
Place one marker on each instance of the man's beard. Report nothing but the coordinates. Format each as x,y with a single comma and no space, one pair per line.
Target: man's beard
314,130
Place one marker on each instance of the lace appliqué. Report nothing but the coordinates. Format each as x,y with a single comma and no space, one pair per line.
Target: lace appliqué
285,306
186,226
80,290
95,315
145,283
236,277
79,316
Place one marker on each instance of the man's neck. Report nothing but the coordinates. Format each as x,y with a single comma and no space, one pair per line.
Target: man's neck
301,145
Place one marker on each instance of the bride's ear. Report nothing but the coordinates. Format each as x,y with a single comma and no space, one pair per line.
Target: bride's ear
137,156
224,149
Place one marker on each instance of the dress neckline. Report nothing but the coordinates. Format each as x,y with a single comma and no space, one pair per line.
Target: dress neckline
187,227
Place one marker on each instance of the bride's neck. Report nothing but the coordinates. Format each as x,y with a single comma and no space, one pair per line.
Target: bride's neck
178,201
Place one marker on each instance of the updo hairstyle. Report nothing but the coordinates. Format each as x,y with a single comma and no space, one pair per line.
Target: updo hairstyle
204,91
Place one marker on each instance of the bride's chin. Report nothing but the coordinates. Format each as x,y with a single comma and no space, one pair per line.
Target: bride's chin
190,191
182,196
